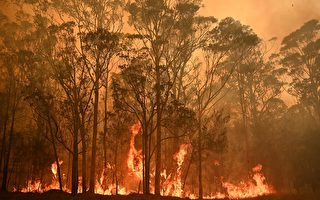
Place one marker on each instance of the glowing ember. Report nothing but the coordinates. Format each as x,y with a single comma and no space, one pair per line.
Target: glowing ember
257,168
217,195
216,162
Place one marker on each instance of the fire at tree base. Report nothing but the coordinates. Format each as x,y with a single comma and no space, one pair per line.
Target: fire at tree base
172,185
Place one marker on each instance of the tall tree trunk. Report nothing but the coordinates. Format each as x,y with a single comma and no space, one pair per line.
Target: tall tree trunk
74,180
105,132
145,157
200,157
7,158
188,169
158,134
84,156
116,161
55,152
148,156
253,105
105,127
148,153
244,117
146,165
3,149
95,131
4,133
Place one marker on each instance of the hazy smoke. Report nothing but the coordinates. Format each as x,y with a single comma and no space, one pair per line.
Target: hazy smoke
272,18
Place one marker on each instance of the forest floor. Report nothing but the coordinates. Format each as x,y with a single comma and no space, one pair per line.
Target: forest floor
57,195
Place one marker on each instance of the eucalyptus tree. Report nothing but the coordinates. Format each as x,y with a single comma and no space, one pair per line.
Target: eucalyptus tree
228,43
133,93
12,35
300,56
97,25
256,88
170,33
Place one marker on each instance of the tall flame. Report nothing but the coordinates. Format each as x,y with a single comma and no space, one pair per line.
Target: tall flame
134,160
173,185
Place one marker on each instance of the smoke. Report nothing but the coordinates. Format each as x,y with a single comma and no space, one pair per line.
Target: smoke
268,19
271,18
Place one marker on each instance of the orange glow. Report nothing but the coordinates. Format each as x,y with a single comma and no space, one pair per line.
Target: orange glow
172,184
38,186
134,160
252,188
54,168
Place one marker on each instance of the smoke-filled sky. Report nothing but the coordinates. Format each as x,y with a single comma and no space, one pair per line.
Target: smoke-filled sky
268,18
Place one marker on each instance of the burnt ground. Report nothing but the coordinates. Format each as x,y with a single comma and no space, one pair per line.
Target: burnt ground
57,195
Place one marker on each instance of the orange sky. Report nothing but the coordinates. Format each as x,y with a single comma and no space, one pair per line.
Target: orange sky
268,18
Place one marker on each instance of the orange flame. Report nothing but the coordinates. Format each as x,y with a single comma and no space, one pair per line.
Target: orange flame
251,188
134,160
37,186
172,184
54,167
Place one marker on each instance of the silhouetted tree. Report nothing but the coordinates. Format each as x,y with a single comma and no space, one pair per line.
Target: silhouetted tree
300,56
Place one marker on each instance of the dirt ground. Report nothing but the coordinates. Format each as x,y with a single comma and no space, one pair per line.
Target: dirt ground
57,195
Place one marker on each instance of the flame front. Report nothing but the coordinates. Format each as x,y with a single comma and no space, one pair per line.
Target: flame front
172,184
38,186
252,188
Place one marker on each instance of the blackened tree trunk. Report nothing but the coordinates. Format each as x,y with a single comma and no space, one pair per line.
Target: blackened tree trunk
200,157
158,134
105,133
55,151
7,158
84,155
146,160
74,181
116,161
4,132
95,131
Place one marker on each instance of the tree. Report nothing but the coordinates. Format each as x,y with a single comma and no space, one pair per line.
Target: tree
68,70
169,34
300,56
100,47
228,43
11,44
98,24
133,93
258,86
